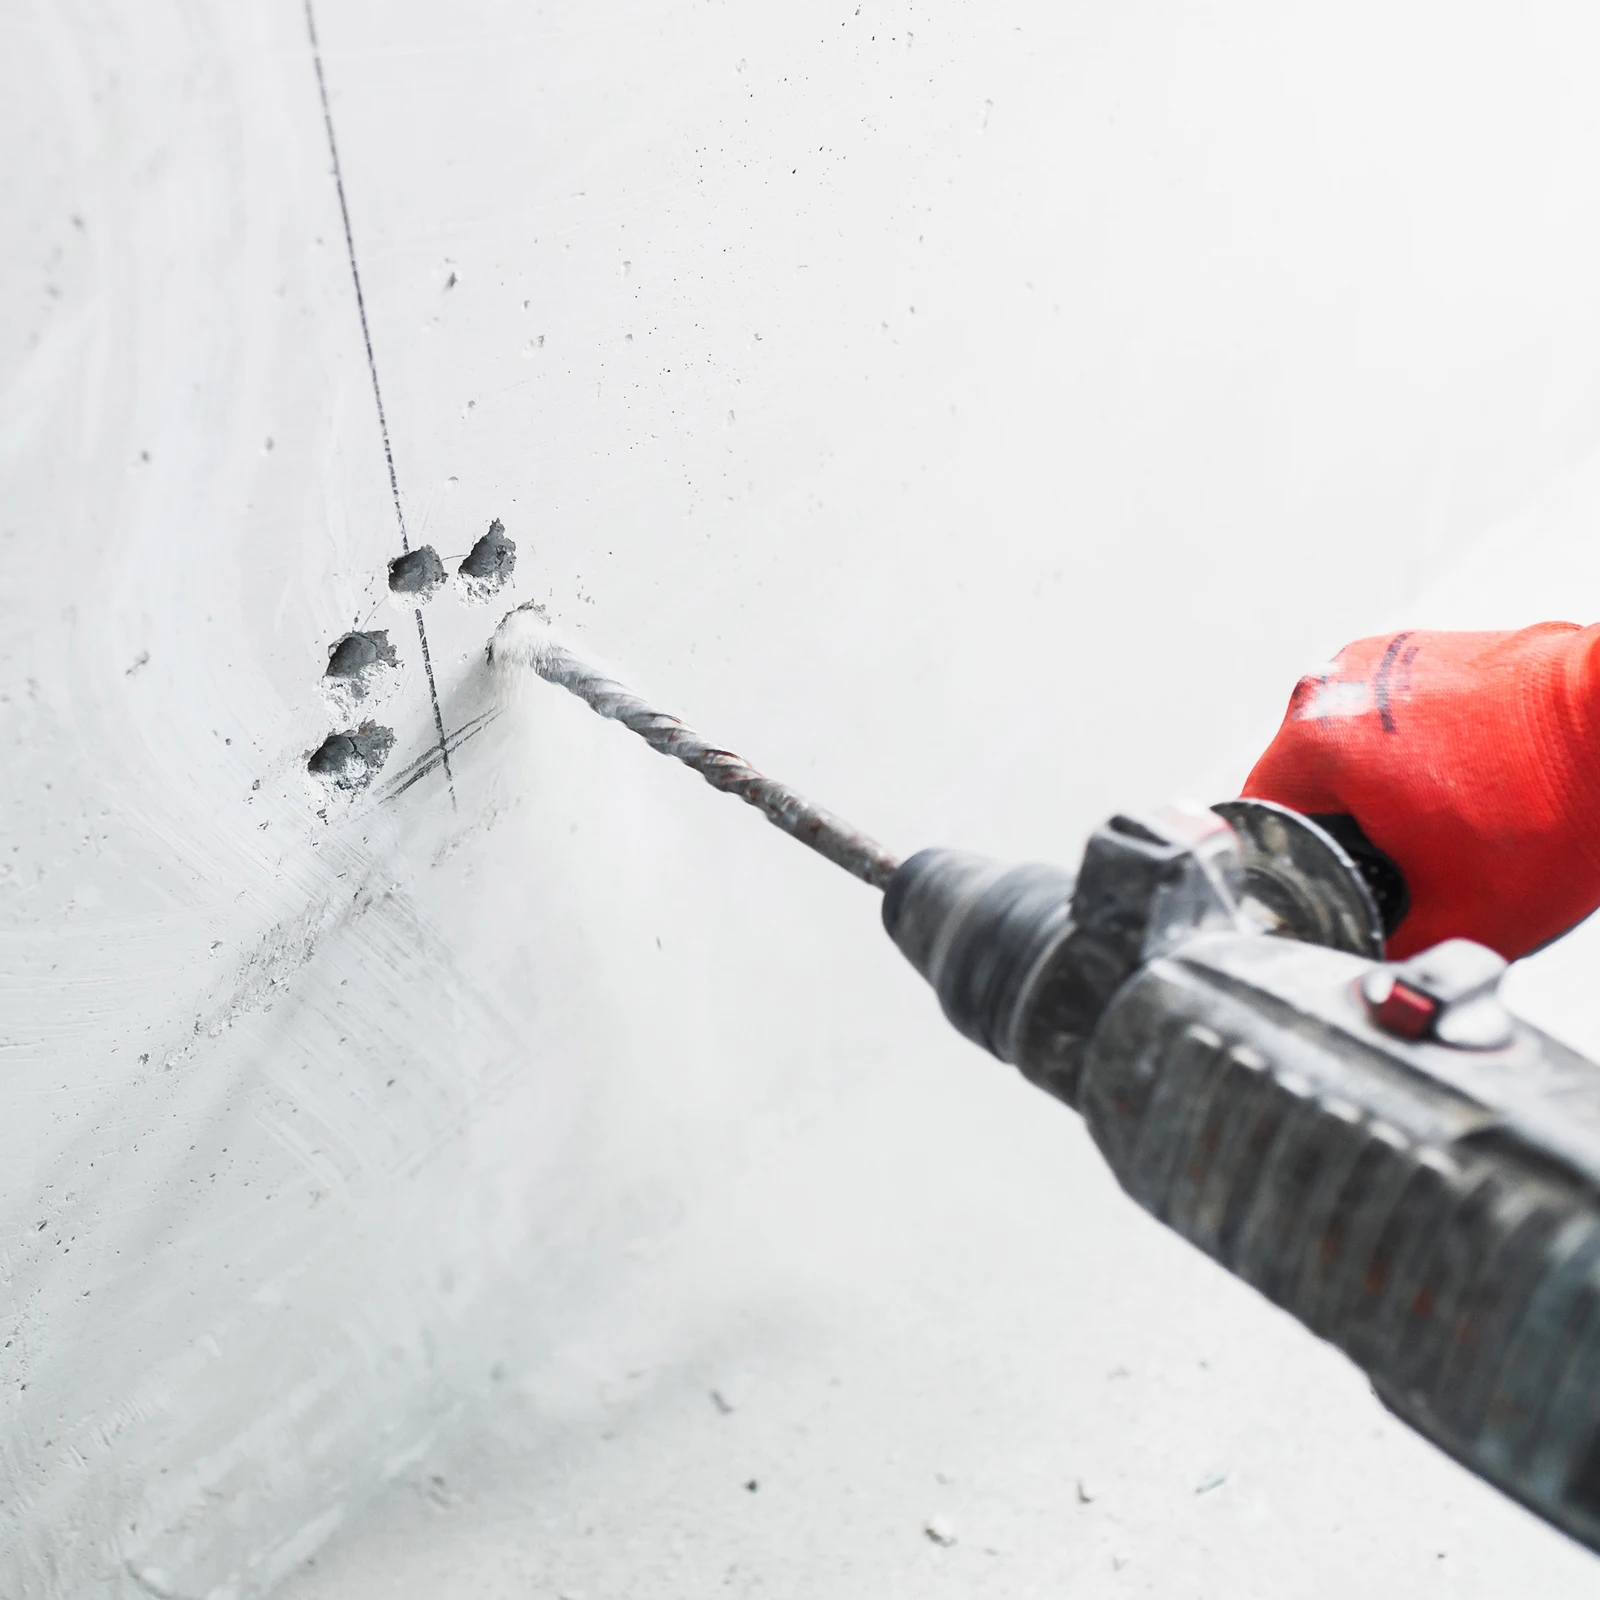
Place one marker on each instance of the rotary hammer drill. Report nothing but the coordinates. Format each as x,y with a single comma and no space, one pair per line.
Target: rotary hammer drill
1379,1147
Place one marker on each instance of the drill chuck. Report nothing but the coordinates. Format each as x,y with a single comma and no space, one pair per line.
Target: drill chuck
1024,959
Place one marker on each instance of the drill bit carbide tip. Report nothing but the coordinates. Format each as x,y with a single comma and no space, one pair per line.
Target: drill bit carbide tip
525,639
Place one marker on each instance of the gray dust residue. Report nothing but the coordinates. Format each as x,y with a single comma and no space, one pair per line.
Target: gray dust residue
356,662
418,573
350,760
489,564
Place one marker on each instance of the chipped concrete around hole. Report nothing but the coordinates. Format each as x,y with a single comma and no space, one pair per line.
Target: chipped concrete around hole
361,667
488,566
418,574
352,759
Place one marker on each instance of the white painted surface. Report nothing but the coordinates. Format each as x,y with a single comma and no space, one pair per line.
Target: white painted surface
395,1188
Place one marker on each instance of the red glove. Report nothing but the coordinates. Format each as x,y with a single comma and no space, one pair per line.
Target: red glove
1472,762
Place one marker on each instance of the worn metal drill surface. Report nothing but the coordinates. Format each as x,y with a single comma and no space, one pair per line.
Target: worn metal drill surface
1303,879
1432,1212
523,639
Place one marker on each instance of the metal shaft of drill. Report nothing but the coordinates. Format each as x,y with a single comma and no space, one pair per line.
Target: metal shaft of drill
825,833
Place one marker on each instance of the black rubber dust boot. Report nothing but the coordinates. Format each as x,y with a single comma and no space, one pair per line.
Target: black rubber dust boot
978,930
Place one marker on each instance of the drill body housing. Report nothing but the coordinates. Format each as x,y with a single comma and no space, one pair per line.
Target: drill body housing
1384,1152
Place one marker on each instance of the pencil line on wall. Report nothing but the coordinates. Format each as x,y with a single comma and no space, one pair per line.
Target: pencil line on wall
377,391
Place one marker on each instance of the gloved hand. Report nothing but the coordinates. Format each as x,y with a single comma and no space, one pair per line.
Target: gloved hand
1470,763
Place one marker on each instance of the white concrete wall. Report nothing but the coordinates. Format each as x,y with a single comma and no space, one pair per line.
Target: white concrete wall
977,413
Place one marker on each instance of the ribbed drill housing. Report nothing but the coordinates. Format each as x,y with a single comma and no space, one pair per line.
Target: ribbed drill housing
1431,1212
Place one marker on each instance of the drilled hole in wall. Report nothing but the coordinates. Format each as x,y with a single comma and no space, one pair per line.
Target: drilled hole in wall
351,759
489,564
357,664
417,574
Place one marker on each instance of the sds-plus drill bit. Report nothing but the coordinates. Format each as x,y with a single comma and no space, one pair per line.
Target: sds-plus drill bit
524,639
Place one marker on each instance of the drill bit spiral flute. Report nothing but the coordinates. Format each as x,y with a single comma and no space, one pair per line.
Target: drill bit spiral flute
523,639
1381,1149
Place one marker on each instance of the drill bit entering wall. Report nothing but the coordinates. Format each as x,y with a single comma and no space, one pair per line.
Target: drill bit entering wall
525,640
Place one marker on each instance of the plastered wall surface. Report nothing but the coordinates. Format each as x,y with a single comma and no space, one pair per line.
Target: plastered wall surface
542,1178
